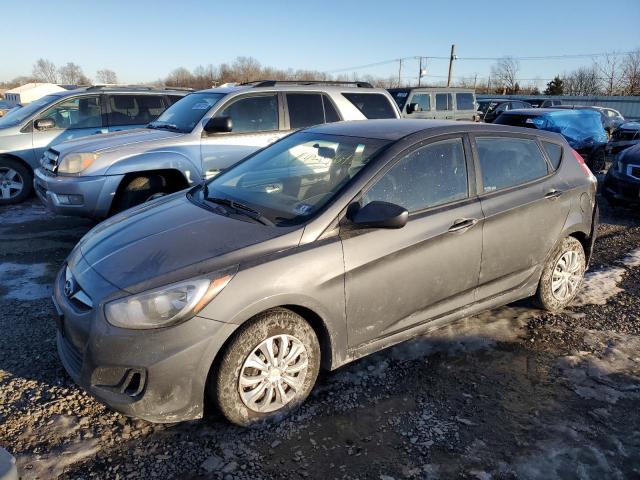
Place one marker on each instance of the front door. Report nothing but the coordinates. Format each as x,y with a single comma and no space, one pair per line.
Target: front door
256,124
525,209
73,118
397,279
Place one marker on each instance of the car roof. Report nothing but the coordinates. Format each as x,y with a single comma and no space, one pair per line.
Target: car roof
395,129
499,100
114,89
292,86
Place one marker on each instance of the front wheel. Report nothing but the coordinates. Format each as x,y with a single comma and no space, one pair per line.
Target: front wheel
268,369
16,182
562,275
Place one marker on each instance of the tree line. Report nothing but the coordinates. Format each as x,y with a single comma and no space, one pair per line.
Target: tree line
611,75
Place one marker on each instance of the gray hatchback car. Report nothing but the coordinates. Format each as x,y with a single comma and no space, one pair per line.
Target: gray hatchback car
328,245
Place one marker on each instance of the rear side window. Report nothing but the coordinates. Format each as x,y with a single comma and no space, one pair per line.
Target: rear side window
372,105
423,100
134,109
444,101
554,152
506,162
426,177
306,109
464,101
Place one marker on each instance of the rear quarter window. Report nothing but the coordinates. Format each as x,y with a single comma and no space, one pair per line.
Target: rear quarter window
554,152
508,161
464,101
371,105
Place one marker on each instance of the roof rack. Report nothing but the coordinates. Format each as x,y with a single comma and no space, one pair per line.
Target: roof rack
107,86
272,83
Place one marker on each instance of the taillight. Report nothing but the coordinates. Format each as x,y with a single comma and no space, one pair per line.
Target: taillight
583,166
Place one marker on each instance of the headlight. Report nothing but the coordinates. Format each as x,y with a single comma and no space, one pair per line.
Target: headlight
76,162
166,306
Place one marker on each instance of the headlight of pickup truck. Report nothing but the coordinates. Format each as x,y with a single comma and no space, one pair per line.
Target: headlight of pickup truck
76,162
168,305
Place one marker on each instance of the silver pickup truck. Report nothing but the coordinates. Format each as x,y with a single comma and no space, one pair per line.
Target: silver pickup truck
194,139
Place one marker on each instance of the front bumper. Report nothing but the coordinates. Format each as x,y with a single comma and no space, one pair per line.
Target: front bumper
621,189
158,375
91,196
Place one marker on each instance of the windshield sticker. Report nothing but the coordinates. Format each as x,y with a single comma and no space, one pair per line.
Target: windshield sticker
200,106
402,94
303,208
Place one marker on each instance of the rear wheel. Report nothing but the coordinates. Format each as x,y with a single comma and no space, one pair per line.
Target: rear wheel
139,189
268,369
16,181
598,160
562,275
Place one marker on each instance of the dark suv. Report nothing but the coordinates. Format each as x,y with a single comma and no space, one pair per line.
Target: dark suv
330,244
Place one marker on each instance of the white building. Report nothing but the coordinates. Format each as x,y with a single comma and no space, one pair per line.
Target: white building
30,92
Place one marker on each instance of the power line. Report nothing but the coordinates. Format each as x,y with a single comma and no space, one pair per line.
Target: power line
416,57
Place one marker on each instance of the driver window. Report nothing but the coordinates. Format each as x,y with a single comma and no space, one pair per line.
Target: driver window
253,114
78,112
428,176
423,100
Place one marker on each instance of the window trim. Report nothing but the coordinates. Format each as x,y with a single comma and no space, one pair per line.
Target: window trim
103,115
471,184
216,109
476,156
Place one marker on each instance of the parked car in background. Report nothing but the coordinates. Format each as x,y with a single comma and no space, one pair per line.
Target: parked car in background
582,128
622,183
625,136
196,138
441,103
611,119
6,106
537,102
331,244
26,133
490,108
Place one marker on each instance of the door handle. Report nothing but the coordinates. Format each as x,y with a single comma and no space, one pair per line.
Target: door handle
463,224
553,194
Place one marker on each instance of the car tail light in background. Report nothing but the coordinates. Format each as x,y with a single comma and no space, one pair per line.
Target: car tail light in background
584,167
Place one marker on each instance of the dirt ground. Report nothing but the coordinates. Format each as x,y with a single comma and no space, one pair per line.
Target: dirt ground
512,393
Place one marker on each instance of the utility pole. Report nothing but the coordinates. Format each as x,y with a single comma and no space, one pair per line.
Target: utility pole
399,72
420,72
475,81
451,59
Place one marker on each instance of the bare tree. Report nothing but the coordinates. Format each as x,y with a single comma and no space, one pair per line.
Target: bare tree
180,77
45,71
72,74
505,74
583,81
609,71
106,76
630,81
246,69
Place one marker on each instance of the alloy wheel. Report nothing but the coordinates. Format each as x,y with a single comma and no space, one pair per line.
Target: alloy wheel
566,276
11,183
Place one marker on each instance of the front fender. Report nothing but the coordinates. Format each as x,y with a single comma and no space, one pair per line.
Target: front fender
167,160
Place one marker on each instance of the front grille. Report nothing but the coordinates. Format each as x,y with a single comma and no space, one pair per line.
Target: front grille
75,294
49,160
71,356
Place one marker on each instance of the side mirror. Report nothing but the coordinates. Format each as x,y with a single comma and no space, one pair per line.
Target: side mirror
219,125
413,107
44,123
378,215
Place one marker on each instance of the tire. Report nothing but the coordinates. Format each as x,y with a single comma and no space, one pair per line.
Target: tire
16,181
281,327
598,161
567,259
139,189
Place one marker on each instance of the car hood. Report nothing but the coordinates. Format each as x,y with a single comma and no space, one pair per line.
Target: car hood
108,142
172,239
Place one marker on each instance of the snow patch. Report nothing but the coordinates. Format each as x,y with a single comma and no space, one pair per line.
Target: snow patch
599,286
632,259
24,282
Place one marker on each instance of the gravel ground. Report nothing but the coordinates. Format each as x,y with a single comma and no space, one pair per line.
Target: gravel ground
512,393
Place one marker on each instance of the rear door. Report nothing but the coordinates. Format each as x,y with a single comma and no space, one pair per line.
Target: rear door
398,279
128,111
524,207
73,117
257,119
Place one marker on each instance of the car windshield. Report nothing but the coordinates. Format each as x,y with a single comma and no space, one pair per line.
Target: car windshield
23,113
185,114
294,178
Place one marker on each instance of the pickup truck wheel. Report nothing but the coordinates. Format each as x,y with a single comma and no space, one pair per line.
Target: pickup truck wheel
268,369
562,275
139,189
16,182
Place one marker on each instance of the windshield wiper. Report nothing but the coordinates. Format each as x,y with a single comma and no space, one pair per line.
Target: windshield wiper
165,126
242,209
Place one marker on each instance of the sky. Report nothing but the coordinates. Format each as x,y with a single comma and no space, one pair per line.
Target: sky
144,40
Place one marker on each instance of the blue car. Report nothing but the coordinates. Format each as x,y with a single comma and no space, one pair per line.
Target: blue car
581,128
